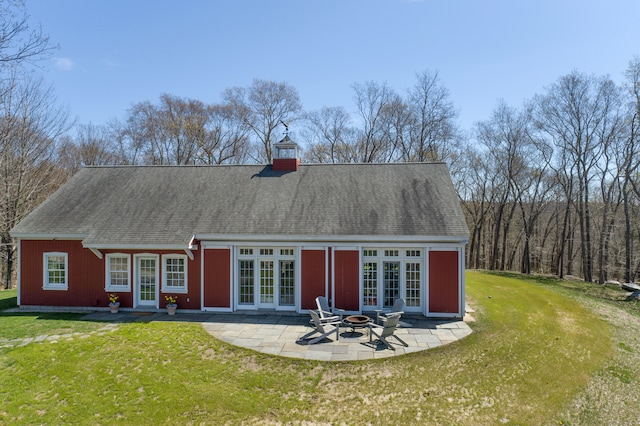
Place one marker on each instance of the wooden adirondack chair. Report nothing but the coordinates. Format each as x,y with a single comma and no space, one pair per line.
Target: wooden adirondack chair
397,308
323,328
386,331
325,311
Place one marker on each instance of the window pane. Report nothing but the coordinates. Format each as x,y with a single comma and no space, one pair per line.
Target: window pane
56,270
413,283
147,272
175,272
287,297
266,281
119,271
370,283
391,286
246,282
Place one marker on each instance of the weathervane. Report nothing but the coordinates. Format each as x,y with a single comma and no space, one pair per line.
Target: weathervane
286,128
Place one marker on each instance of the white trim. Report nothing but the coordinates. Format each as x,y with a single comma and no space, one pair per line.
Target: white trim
402,259
45,271
201,279
191,245
462,281
280,239
461,296
107,274
217,309
276,257
205,247
44,236
136,246
177,290
136,289
18,275
189,253
346,248
327,278
442,315
97,252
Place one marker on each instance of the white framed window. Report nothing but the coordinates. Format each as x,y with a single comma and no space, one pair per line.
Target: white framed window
174,273
118,272
390,273
55,271
266,278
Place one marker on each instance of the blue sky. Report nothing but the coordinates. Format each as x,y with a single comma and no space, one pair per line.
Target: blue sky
115,53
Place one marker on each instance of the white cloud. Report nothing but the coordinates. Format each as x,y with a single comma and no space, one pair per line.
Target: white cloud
64,64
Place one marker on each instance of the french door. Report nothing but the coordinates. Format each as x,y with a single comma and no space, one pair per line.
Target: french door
396,274
147,280
266,279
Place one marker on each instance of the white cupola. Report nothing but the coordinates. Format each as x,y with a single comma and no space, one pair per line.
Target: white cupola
286,155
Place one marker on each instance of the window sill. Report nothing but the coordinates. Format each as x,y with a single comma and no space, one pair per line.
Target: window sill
58,287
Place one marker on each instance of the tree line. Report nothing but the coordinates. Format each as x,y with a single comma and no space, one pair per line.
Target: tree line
551,186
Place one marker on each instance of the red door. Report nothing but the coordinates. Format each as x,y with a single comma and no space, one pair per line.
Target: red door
347,278
217,278
443,282
313,277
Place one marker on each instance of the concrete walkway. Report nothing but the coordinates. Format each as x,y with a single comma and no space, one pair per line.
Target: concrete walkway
279,334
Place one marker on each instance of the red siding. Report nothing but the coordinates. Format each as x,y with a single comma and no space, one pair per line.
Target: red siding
313,277
86,276
285,164
217,278
347,276
443,282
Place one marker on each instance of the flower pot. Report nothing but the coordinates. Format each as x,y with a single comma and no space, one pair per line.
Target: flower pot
171,309
114,307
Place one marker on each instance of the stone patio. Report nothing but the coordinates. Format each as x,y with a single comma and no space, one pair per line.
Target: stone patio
279,334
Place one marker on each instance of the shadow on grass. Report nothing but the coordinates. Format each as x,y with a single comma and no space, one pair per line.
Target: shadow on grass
8,303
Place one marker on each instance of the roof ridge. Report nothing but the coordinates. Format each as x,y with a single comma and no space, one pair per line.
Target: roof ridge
112,166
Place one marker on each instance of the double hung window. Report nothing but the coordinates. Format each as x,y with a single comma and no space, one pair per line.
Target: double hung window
56,271
118,274
174,273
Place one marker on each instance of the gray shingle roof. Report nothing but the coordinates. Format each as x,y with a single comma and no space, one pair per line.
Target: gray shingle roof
167,205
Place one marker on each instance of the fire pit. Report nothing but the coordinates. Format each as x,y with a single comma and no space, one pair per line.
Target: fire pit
356,321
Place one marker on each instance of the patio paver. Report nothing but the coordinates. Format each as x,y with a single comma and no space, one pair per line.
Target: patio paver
276,334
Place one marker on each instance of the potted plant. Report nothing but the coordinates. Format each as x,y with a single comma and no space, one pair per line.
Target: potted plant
113,303
172,304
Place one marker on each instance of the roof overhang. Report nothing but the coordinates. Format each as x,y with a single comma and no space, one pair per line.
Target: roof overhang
43,236
334,238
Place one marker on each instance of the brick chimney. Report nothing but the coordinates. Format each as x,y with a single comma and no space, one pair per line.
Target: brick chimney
285,158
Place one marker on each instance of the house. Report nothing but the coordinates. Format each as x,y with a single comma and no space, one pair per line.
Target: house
248,237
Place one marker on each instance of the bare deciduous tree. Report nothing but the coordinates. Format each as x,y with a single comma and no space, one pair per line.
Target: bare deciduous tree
434,132
264,107
373,101
330,136
30,123
576,113
18,42
92,146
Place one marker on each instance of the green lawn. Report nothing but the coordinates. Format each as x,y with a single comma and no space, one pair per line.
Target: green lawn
15,325
532,352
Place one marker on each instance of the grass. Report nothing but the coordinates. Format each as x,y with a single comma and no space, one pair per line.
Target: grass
532,357
14,325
